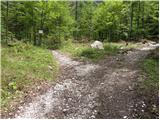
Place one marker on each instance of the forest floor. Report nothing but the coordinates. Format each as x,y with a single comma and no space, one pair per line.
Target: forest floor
85,89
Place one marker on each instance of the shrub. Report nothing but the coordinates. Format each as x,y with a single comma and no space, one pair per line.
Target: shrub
53,43
92,53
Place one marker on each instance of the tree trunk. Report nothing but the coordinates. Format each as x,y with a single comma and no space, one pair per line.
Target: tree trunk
33,28
131,19
138,19
40,35
76,18
143,20
7,4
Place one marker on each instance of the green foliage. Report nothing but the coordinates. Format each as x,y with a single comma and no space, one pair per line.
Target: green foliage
53,43
59,22
83,50
148,88
92,53
107,19
96,54
151,67
25,19
112,20
84,23
23,66
73,49
83,20
13,85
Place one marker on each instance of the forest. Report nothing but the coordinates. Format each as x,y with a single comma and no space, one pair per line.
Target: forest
46,41
86,20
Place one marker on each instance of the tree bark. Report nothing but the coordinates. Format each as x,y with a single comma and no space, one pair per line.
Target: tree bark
138,16
33,27
143,34
131,19
7,4
76,18
40,35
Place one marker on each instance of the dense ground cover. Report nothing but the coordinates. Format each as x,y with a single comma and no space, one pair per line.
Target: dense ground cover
24,66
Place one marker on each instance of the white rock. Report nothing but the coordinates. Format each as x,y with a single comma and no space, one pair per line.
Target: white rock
124,117
64,110
50,67
97,44
130,88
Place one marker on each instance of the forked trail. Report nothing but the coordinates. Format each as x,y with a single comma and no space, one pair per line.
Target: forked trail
89,90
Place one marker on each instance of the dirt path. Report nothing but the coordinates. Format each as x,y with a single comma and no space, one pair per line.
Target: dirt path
87,90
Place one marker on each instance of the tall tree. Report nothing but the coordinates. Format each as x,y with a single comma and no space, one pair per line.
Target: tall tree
131,19
7,7
138,17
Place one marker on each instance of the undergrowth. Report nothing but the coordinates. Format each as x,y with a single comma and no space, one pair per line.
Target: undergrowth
22,65
96,54
83,50
148,89
151,67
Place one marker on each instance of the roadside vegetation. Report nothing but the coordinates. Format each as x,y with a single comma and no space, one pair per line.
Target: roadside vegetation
84,50
148,89
151,67
24,66
94,54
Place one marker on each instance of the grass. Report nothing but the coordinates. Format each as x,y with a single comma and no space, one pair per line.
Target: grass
151,67
148,89
96,54
83,50
22,66
74,49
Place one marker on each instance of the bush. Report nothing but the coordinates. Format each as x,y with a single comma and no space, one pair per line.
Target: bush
92,53
53,43
111,49
73,49
97,54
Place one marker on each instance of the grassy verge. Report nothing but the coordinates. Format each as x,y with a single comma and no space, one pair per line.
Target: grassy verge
22,67
151,67
148,90
96,54
83,50
73,49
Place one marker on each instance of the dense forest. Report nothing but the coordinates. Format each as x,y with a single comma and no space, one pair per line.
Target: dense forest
80,59
78,20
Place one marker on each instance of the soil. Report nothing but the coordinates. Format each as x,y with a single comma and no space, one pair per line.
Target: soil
106,89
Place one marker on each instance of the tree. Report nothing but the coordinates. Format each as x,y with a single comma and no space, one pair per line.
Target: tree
87,20
131,19
7,21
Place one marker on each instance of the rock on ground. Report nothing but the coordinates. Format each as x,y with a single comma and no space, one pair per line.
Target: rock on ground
97,44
